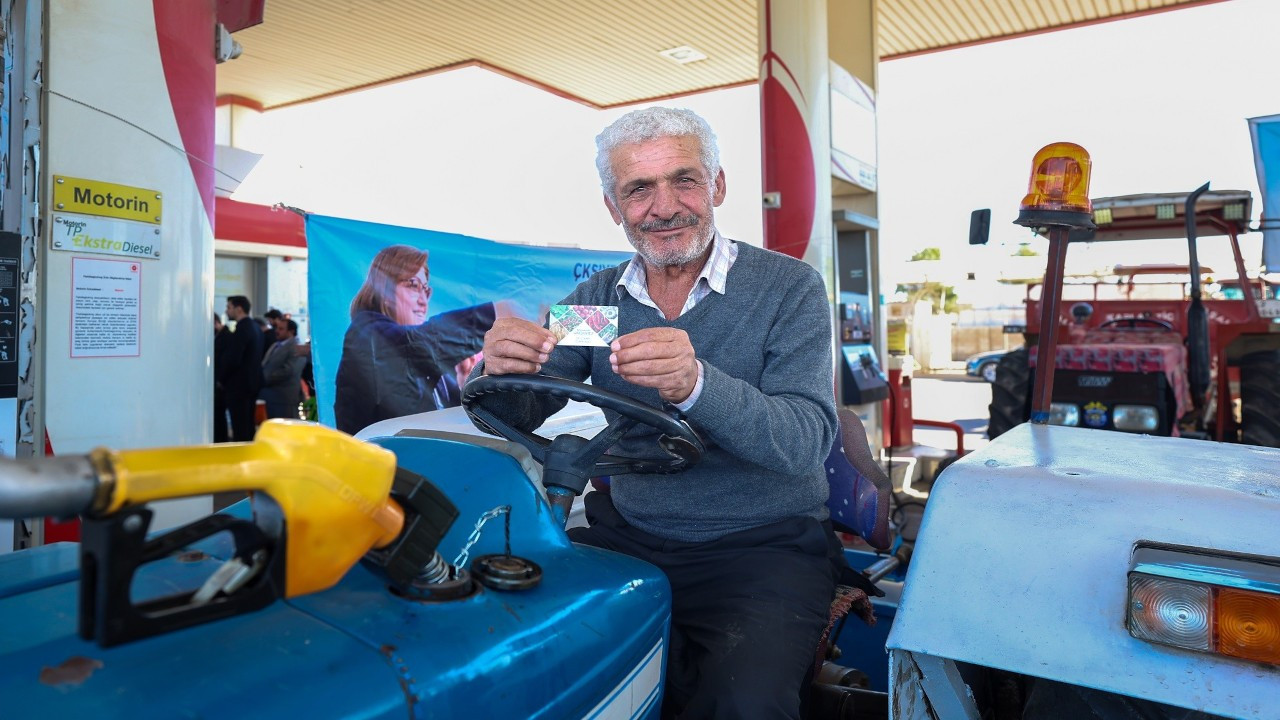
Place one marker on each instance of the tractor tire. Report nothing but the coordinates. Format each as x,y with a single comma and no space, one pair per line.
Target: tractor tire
1260,398
1010,393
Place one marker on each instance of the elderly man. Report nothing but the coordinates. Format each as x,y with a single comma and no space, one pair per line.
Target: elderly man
737,339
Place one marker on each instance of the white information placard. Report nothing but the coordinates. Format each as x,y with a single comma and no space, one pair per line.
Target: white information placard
105,307
105,236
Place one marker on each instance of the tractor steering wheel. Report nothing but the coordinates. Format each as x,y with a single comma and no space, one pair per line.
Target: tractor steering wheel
1133,322
570,461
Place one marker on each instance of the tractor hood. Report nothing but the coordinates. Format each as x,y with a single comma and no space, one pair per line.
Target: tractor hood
1026,545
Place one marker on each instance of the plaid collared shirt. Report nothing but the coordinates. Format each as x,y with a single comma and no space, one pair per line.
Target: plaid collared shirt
711,277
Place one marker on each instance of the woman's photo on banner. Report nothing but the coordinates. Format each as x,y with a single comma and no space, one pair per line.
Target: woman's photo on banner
396,358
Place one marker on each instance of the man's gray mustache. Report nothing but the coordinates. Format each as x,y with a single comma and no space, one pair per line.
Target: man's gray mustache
674,223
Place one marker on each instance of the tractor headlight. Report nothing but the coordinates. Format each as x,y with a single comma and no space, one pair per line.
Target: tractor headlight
1135,418
1205,602
1064,414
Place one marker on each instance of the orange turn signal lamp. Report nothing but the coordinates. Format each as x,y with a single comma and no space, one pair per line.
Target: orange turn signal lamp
1058,192
1210,603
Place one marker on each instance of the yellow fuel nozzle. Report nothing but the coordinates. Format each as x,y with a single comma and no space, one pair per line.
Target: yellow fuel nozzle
333,490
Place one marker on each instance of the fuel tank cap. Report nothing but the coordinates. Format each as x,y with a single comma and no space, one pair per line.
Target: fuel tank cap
506,572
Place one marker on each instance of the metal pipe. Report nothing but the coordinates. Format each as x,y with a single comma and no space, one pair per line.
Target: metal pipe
884,566
47,487
561,501
954,427
1189,218
1250,300
1046,349
881,567
1197,315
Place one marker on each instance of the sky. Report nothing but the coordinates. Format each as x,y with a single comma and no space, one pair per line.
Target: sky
1160,102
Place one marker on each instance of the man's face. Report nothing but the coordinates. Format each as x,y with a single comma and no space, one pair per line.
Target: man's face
233,312
280,327
665,200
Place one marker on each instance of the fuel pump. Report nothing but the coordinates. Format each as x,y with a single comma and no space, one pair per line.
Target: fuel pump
862,383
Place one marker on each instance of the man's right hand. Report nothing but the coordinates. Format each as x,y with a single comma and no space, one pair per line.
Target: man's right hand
513,345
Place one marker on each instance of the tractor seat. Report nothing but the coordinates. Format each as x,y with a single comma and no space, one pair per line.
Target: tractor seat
859,489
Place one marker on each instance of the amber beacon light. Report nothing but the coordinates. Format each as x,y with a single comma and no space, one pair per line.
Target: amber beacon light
1058,193
1056,203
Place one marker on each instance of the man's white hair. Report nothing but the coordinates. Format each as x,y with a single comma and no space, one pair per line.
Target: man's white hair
650,124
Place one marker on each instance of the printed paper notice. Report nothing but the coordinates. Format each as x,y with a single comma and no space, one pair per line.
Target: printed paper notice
105,314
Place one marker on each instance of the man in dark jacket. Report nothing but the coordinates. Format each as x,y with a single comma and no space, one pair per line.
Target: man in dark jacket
221,343
242,375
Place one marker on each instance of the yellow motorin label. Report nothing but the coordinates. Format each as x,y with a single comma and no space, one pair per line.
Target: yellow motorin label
94,197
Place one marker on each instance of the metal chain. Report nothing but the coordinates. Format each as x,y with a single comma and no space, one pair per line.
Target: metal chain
461,560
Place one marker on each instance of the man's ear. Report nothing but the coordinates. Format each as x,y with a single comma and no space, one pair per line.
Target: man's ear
718,197
613,210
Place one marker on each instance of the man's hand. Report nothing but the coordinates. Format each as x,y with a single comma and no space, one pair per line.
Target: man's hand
660,358
513,345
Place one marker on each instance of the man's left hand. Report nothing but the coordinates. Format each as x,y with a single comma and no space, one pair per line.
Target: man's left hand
660,358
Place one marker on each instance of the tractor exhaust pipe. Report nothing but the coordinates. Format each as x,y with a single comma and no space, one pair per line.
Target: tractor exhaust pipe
1197,316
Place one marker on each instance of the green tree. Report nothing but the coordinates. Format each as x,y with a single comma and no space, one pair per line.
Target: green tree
929,253
1024,250
942,296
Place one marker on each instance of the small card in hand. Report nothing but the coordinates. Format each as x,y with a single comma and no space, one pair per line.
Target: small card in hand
595,325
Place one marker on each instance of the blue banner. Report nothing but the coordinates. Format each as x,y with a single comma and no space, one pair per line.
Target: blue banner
399,325
1266,159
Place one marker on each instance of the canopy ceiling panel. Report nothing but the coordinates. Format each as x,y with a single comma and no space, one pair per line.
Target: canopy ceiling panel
599,52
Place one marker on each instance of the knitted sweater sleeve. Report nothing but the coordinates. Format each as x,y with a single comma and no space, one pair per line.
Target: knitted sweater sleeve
788,422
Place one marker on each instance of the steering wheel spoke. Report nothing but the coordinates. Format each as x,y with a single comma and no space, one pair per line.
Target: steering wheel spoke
494,425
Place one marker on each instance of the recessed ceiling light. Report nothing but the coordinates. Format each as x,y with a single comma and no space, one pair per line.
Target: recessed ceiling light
683,54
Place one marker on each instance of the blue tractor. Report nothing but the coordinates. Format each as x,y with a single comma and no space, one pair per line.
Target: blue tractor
420,572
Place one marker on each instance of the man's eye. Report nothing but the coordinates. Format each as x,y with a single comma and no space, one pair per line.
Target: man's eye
686,182
638,191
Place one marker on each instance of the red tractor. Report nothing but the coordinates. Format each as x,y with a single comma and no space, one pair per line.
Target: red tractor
1133,357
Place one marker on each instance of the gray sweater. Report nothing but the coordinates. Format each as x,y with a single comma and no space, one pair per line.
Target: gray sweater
767,409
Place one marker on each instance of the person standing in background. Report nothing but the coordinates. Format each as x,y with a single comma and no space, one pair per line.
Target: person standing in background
221,343
242,375
270,328
282,373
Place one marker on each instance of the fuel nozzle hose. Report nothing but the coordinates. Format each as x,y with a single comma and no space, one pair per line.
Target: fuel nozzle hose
332,490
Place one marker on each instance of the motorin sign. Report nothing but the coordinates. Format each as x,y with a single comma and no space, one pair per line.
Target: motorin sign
105,218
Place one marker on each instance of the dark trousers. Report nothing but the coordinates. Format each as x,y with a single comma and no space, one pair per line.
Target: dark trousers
220,417
242,421
747,611
282,410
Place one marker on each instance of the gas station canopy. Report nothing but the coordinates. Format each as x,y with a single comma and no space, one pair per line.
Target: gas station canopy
602,53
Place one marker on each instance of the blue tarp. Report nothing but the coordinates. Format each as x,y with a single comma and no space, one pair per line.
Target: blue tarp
463,270
1266,158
